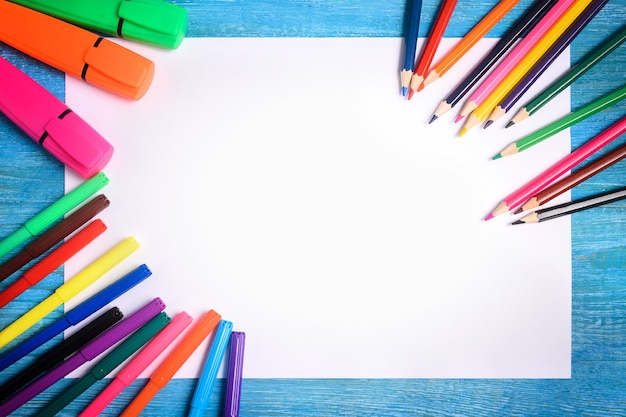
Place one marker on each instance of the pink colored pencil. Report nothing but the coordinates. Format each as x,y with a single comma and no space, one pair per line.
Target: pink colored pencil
513,57
521,195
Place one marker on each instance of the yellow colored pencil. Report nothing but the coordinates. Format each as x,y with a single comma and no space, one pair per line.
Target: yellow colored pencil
483,111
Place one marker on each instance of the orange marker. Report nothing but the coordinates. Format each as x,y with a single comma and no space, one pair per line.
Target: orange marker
75,51
172,363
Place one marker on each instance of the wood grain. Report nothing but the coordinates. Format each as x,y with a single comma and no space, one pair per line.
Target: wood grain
30,180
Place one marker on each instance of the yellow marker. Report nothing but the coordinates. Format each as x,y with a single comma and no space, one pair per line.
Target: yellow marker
69,290
530,59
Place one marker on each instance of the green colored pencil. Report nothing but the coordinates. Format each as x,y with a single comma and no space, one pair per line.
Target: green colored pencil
563,123
612,43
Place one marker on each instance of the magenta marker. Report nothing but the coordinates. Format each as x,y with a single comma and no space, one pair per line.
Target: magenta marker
48,121
87,353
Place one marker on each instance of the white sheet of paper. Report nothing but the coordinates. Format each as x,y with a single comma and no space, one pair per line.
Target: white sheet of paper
286,184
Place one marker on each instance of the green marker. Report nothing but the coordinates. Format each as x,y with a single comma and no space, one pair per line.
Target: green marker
104,367
58,209
154,22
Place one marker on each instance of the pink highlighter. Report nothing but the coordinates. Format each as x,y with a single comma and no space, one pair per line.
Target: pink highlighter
47,120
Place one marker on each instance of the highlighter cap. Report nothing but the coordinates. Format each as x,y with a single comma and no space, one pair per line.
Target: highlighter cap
118,69
154,22
75,143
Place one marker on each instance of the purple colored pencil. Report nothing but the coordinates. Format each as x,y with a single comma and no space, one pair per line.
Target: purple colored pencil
235,374
87,353
546,60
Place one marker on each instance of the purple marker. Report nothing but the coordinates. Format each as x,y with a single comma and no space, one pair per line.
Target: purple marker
87,353
546,60
235,374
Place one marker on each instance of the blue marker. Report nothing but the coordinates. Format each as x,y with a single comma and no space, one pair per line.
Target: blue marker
207,379
76,315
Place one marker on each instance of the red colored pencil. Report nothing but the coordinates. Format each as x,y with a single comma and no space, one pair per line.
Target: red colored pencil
430,49
521,195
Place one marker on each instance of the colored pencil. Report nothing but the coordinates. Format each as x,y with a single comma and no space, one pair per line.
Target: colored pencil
469,40
574,206
430,49
544,63
514,57
575,72
572,180
541,181
410,44
486,107
563,123
526,22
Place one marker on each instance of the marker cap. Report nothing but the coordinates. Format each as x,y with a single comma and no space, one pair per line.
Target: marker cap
153,21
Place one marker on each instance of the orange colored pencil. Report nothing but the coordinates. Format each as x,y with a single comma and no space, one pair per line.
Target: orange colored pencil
470,39
430,49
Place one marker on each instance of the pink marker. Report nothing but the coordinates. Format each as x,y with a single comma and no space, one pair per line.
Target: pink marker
47,120
138,364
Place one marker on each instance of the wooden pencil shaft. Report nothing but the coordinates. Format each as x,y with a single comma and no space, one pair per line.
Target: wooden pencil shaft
571,119
612,43
581,175
518,30
435,36
474,35
552,54
582,204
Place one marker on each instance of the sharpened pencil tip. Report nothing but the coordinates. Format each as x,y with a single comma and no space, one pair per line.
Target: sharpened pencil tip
411,92
405,90
518,222
458,118
518,211
509,124
432,119
462,132
489,122
497,156
489,216
421,87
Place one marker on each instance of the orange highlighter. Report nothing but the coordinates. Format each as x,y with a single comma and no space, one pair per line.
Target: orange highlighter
172,363
75,51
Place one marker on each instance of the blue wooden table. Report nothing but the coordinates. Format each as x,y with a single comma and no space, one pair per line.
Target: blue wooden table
30,180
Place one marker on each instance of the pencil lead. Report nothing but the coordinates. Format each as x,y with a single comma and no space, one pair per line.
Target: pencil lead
411,92
458,118
509,124
404,91
421,87
489,122
489,217
496,156
462,132
518,222
432,119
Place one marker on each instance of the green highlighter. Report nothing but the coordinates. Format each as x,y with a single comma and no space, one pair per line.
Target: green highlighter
54,212
154,22
104,367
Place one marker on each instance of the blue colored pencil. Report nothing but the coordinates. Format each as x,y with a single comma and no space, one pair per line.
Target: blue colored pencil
410,44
